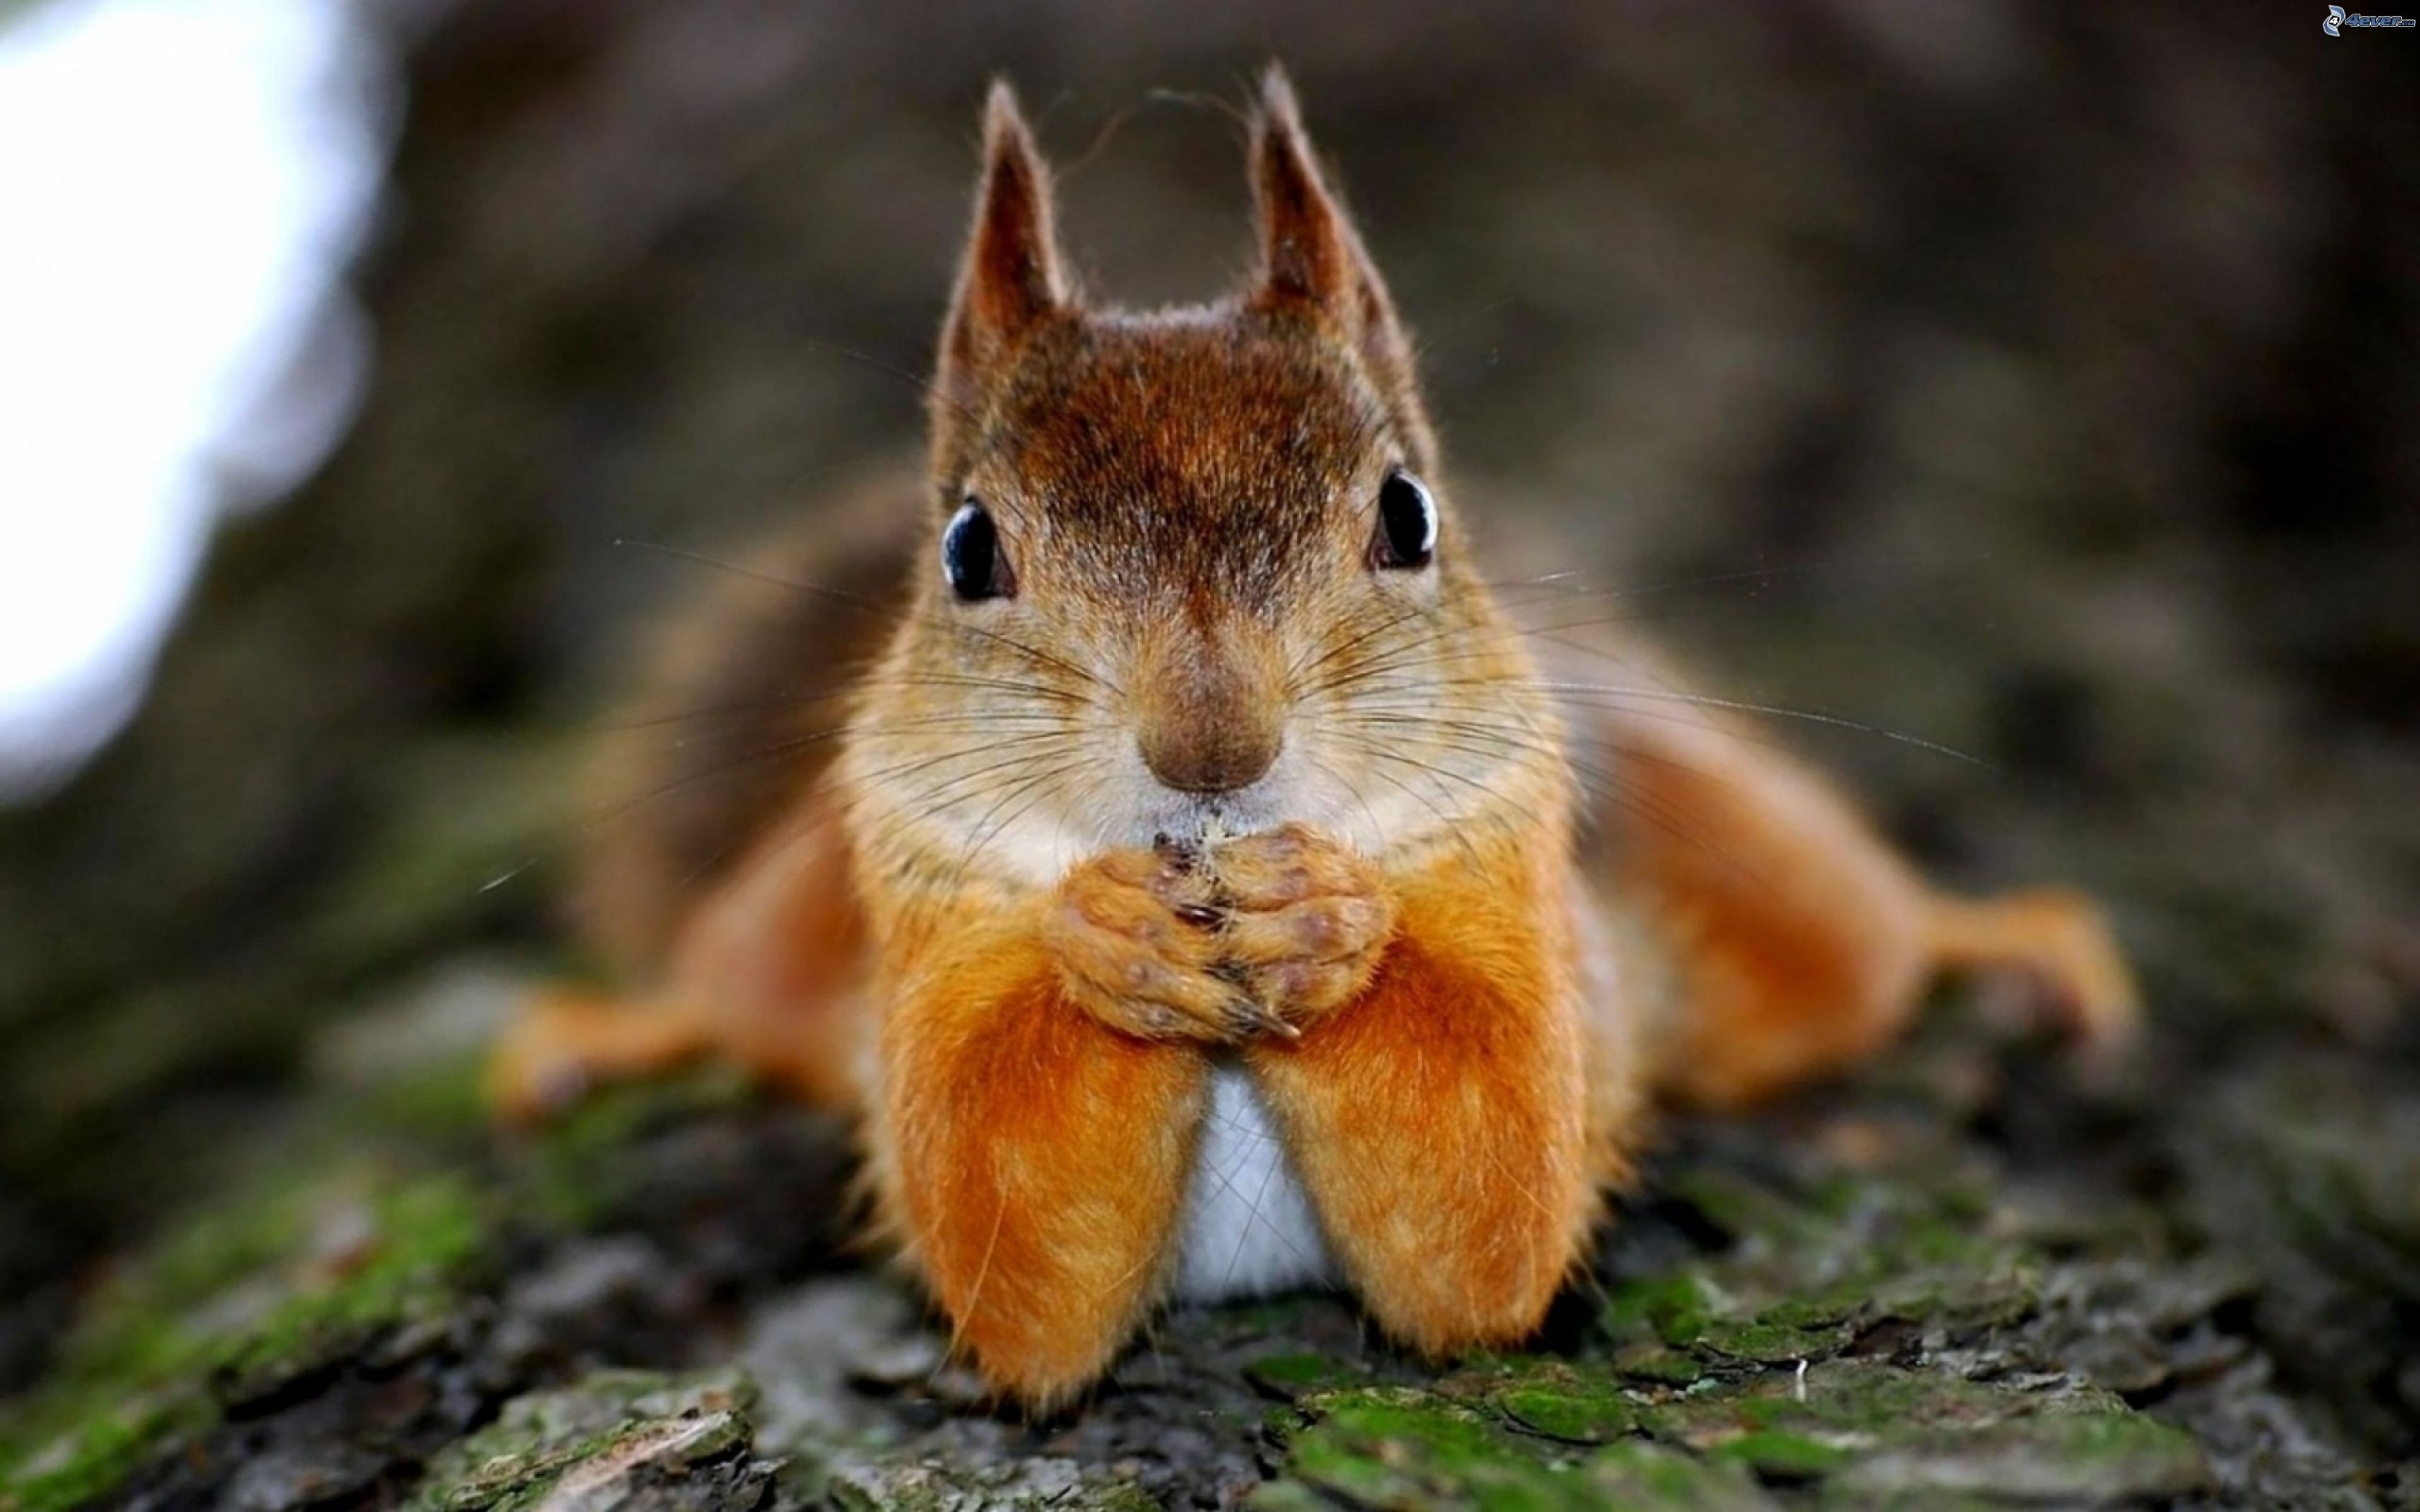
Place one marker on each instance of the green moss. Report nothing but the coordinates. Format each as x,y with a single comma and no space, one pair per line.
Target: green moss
1873,1434
574,1170
1291,1376
1645,1478
1675,1308
1717,1324
1655,1364
2055,1460
1574,1411
612,1419
1288,1496
443,1099
1781,1455
1865,1399
66,1450
1820,1310
255,1290
1401,1448
1410,1447
1378,1413
1758,1342
1989,1293
1814,1263
425,1238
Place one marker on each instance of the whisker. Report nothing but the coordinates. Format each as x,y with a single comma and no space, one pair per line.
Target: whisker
1444,820
1415,673
800,698
1252,1219
1749,575
1558,590
1591,771
833,814
624,808
1481,738
934,723
1351,789
1667,815
885,608
1426,342
1779,712
924,384
989,829
932,797
1402,659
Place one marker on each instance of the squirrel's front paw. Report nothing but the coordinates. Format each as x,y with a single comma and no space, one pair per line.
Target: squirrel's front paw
1138,938
1306,919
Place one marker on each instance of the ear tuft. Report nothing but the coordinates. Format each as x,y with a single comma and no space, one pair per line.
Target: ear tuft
1279,102
1010,280
1308,249
1312,261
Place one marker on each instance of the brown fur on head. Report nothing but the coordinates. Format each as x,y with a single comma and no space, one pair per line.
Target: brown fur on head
1196,620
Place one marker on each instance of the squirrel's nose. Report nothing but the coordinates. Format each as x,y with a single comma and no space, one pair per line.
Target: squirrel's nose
1205,725
1216,759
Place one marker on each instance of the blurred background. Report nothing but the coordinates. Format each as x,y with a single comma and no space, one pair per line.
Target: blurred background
2039,379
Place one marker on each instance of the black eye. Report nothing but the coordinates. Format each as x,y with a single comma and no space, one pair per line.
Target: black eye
1406,536
971,558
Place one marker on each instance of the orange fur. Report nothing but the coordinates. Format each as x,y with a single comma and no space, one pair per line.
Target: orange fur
1028,1158
765,972
1800,944
1441,1118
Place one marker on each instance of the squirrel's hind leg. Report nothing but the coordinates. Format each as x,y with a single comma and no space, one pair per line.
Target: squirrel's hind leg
715,880
1791,940
765,973
2057,938
561,1043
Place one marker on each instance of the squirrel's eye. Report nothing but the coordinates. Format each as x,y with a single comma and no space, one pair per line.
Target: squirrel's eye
1407,536
971,558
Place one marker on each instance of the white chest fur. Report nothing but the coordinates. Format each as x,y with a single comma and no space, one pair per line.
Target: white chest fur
1248,1228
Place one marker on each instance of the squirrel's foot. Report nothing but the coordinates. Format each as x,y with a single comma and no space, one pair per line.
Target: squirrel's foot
1136,936
1305,918
2058,942
562,1043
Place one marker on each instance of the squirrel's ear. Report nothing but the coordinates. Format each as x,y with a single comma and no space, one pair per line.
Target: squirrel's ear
1312,258
1010,280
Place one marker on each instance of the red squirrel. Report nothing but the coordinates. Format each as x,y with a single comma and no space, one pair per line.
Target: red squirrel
1201,895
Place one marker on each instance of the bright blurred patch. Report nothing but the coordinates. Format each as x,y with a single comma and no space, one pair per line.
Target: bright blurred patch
182,183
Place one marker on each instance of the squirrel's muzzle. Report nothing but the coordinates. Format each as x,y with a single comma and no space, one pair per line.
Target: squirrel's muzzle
1208,720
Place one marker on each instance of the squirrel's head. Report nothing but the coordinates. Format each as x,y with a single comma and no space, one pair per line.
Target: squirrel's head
1191,570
